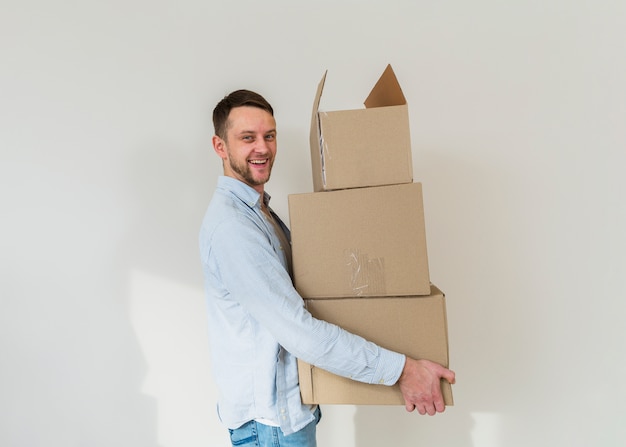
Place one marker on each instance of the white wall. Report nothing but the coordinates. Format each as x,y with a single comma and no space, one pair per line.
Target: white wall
517,118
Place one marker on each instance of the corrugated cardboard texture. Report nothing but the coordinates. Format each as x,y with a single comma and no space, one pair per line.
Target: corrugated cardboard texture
415,326
365,147
360,242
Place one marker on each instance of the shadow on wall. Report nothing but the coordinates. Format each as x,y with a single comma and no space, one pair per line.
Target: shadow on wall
74,362
171,186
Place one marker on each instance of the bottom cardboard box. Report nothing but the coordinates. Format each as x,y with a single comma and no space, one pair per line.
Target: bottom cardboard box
413,325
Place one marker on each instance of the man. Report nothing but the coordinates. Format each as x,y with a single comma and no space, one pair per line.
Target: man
258,323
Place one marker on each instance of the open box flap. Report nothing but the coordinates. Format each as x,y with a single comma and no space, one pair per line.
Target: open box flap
315,121
386,92
315,135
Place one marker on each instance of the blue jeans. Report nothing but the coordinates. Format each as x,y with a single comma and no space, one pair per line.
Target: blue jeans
259,435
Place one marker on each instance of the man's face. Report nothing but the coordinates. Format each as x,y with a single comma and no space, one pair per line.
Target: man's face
250,146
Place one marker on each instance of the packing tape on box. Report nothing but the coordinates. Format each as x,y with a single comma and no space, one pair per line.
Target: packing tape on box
367,276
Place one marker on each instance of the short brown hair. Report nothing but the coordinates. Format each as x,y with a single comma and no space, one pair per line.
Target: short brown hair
237,98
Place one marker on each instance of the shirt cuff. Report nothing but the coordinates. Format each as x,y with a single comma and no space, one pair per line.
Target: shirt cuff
389,369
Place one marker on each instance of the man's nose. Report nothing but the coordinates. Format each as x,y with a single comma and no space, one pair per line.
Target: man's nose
261,145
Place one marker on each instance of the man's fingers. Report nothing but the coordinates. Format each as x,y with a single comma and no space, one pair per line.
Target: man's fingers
449,375
440,406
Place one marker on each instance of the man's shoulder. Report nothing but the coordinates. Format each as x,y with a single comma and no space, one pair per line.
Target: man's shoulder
234,188
224,208
228,212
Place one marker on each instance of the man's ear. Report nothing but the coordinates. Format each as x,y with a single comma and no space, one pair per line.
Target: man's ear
219,146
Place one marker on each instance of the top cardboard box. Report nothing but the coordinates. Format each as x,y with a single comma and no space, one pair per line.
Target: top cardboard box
362,147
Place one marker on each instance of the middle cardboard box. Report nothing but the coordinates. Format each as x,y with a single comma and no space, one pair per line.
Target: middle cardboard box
359,242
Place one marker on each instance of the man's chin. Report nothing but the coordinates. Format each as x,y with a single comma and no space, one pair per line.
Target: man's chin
263,181
258,180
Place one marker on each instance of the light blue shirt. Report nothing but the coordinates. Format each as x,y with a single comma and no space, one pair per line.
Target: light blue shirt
258,325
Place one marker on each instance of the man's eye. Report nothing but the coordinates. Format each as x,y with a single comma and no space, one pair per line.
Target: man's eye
270,137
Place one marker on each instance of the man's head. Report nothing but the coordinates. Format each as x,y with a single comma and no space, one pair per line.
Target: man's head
245,137
238,98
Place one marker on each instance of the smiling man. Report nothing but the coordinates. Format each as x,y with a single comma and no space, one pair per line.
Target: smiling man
257,321
246,143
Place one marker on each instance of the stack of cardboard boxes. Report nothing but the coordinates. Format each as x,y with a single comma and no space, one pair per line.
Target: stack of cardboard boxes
359,242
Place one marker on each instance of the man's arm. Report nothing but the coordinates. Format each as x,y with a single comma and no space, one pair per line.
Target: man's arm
249,269
421,386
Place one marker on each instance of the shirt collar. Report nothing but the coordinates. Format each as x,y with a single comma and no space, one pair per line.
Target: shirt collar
243,192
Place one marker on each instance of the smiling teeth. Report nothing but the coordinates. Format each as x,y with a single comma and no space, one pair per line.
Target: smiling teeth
257,162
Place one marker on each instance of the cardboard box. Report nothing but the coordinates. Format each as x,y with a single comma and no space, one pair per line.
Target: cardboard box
359,242
414,326
362,147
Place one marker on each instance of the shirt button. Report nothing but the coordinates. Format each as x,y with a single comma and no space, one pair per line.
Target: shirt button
381,381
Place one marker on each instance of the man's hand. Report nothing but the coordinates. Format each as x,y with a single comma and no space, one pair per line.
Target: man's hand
421,387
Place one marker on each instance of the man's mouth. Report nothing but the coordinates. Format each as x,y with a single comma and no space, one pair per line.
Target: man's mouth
258,162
